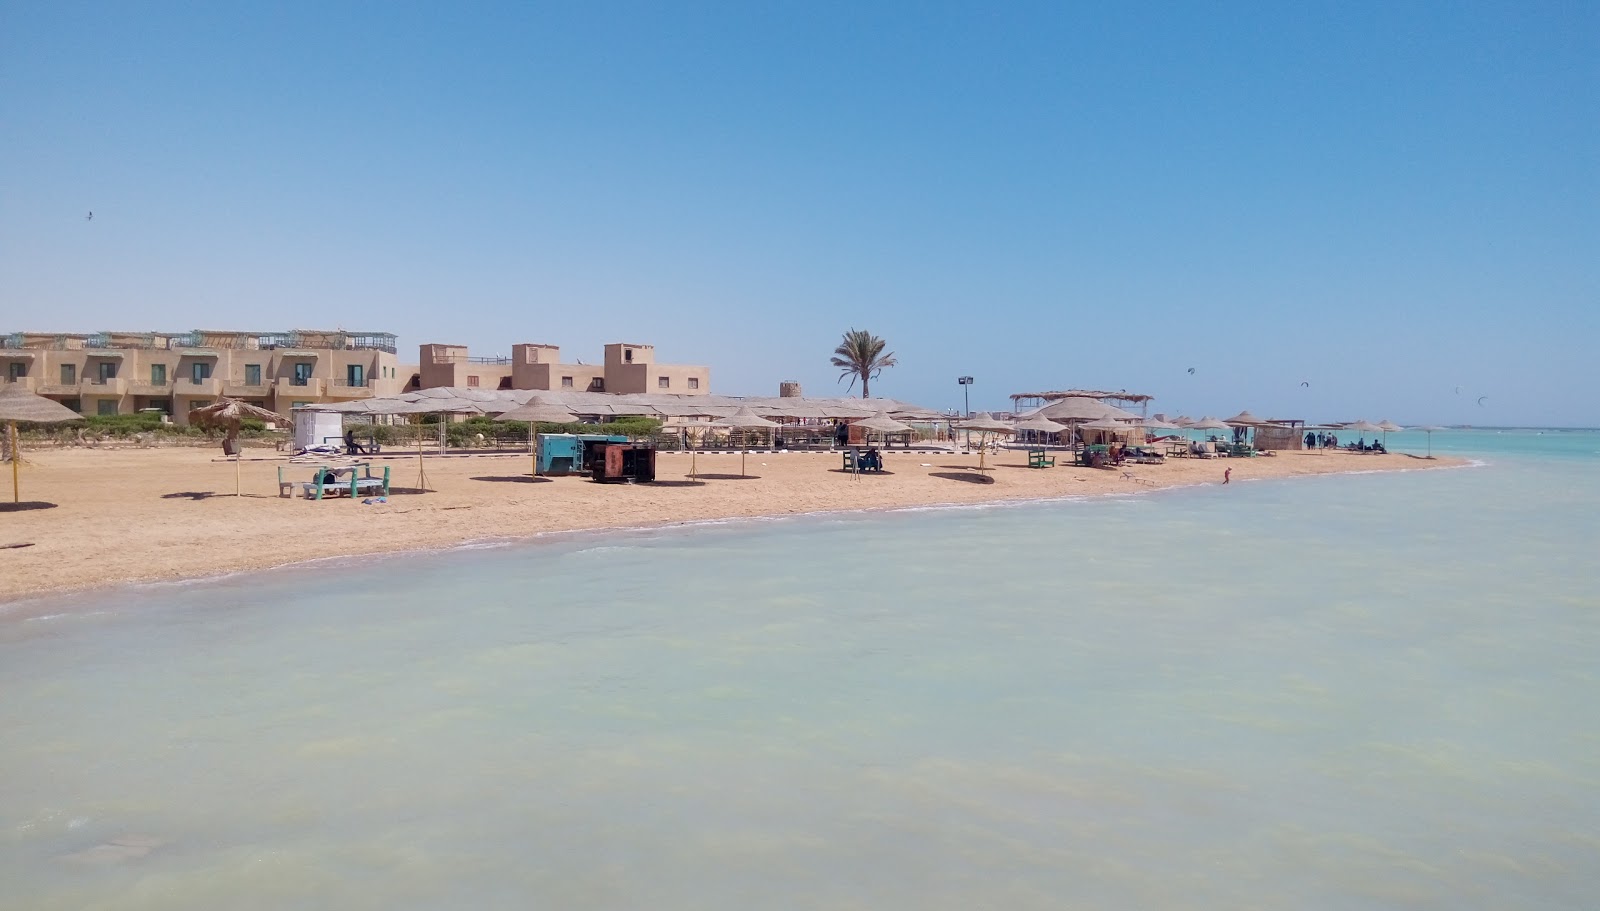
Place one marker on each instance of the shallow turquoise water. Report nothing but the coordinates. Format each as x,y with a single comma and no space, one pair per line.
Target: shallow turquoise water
1342,692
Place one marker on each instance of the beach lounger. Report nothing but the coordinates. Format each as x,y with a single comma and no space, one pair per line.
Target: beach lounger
1038,459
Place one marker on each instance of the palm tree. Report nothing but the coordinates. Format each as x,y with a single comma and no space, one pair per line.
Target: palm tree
860,354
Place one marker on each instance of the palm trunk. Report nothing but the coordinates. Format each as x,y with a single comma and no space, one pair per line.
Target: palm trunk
864,378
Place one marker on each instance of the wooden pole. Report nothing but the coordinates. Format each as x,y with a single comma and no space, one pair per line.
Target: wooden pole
16,463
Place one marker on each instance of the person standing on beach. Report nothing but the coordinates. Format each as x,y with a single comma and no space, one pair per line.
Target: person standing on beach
1227,475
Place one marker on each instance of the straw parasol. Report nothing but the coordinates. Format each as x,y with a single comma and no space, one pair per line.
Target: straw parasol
1429,429
1388,427
985,424
19,404
534,412
1244,419
743,419
1041,424
228,414
882,423
1208,423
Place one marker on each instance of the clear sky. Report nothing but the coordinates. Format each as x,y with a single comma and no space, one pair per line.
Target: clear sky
1388,201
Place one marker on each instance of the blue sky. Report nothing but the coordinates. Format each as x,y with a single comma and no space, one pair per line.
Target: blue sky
1387,201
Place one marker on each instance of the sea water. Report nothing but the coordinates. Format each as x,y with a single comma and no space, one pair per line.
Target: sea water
1340,692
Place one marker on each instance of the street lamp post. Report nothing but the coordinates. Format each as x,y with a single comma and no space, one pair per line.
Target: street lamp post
966,402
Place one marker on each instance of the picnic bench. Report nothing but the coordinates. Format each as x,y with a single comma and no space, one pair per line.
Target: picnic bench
329,481
1038,459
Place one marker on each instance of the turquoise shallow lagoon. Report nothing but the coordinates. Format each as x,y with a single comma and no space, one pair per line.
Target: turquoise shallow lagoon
1343,692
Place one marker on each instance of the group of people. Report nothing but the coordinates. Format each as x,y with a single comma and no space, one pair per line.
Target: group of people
1320,440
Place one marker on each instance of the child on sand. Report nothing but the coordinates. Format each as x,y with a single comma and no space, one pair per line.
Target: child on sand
1227,475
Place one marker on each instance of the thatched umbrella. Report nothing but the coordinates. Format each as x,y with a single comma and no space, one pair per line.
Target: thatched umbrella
538,412
1244,419
1041,424
985,425
19,404
1429,429
743,419
228,414
1388,427
881,423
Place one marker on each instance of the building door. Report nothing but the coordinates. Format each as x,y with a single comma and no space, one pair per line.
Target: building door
158,374
16,370
302,374
355,375
106,406
252,374
199,372
108,371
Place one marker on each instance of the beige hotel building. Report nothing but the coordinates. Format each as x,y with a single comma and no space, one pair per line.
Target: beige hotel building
127,372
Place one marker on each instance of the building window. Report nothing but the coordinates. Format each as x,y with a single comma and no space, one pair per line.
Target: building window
664,382
158,374
105,406
69,374
694,382
252,374
199,372
16,370
355,375
627,355
472,381
293,405
108,371
598,384
74,404
302,375
566,382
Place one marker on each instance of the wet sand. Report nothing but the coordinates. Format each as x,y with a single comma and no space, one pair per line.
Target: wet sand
92,518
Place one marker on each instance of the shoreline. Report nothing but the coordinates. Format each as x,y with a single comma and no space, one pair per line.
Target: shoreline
141,530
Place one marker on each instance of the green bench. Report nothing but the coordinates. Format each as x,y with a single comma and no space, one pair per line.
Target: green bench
1038,459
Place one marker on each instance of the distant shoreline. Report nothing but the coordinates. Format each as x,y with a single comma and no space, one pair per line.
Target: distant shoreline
109,518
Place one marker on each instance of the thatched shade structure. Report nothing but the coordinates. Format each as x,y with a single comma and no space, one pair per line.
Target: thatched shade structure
1078,409
1041,425
228,414
882,423
1208,423
744,419
538,412
985,424
1429,429
1244,419
19,404
1363,427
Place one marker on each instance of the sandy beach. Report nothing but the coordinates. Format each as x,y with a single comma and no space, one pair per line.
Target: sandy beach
93,518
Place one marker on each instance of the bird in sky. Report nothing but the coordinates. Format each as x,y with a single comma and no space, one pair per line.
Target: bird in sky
90,216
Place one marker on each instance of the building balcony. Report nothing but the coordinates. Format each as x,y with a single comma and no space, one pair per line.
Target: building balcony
70,390
342,389
246,391
29,383
210,387
115,385
289,387
155,389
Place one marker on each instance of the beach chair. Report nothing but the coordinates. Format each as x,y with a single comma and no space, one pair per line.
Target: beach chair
1038,459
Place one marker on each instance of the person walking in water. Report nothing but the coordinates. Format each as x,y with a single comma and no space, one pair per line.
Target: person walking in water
1227,475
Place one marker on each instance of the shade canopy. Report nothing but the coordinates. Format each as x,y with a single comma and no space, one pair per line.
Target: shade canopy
1244,419
1208,423
19,404
539,412
1389,427
744,419
1162,425
1078,409
882,423
1430,428
1042,425
1107,424
229,413
1363,427
982,421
